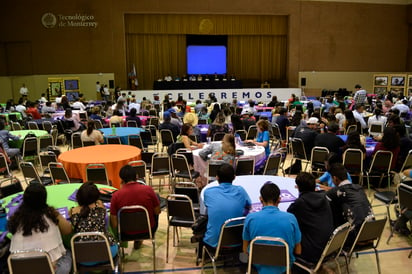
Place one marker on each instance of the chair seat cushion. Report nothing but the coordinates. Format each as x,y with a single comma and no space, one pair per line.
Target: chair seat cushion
175,221
385,196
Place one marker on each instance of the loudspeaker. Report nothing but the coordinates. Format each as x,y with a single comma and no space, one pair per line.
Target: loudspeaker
111,83
303,81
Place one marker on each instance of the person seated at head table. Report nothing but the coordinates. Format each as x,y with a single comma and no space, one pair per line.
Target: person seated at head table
90,214
224,151
36,225
91,134
186,131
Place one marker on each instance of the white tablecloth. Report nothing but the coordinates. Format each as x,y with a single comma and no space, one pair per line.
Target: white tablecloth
252,185
257,153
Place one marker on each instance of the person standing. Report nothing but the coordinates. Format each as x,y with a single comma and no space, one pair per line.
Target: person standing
24,91
360,95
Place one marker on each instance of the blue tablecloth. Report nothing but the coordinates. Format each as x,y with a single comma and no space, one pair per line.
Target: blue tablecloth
122,132
203,131
266,114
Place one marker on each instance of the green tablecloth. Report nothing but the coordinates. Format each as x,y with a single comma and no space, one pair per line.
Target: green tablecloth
22,134
6,114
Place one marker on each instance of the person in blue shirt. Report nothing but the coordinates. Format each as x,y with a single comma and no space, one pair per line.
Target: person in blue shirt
263,138
325,182
272,222
221,203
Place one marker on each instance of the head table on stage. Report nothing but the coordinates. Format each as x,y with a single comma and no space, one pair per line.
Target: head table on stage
114,157
252,185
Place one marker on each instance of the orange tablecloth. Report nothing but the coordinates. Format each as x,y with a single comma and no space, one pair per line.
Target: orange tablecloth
113,156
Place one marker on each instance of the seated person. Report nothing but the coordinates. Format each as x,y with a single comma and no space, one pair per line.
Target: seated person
36,225
5,136
48,108
33,111
90,214
133,117
186,131
91,134
272,222
221,203
96,114
325,181
314,215
116,118
263,138
218,126
248,120
220,152
68,116
203,114
348,202
168,125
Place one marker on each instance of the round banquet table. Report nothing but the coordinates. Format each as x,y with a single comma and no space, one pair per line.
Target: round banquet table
370,144
22,134
114,157
257,153
122,132
252,185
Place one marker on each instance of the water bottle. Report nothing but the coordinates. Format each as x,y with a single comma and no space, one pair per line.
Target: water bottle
238,140
113,130
3,219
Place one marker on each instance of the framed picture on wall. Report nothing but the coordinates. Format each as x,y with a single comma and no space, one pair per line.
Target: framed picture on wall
380,90
55,88
409,80
381,80
398,81
397,91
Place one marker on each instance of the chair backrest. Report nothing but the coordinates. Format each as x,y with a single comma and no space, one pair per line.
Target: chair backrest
46,158
32,125
276,131
245,167
83,116
160,162
212,170
16,126
3,163
146,138
272,164
350,129
381,161
271,251
353,160
114,140
180,164
140,167
54,132
181,207
88,247
115,124
218,136
135,140
167,137
45,141
407,164
9,187
131,123
154,121
405,196
252,132
76,140
298,149
147,158
242,134
131,219
88,143
29,171
189,189
58,173
97,173
30,146
230,234
47,125
371,230
318,158
98,124
21,262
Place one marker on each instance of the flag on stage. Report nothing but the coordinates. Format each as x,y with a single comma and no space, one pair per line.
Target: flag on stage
133,78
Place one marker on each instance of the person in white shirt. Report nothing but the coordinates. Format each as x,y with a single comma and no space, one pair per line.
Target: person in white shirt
402,106
21,108
357,113
106,93
168,78
134,104
78,105
48,108
23,90
43,99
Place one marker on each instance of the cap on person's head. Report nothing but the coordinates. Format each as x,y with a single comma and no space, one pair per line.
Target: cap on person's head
312,121
166,115
172,110
246,112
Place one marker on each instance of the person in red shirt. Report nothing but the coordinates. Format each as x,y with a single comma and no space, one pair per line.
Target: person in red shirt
33,111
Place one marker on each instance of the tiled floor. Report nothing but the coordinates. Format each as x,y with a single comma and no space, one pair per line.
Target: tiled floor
182,258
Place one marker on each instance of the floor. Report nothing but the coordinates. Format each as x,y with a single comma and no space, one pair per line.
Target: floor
182,258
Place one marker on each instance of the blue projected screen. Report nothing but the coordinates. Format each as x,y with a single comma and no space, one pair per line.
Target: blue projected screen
206,59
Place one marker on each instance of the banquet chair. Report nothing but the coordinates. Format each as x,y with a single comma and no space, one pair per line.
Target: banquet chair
16,126
167,138
83,116
135,140
369,236
160,166
318,158
147,140
218,136
47,126
30,149
88,143
9,185
153,112
273,164
147,158
298,152
380,167
56,136
135,218
131,123
251,133
46,157
31,175
212,168
90,247
181,169
44,142
270,251
193,138
76,141
154,121
332,249
242,134
59,175
98,124
353,162
97,173
32,125
245,167
276,131
230,241
13,117
191,190
34,261
407,164
350,129
140,167
180,213
113,140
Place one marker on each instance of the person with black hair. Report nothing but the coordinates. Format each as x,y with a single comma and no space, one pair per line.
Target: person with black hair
90,214
272,222
133,117
130,193
5,136
329,139
314,215
390,142
283,122
378,118
33,111
91,134
325,181
358,115
348,202
36,225
221,203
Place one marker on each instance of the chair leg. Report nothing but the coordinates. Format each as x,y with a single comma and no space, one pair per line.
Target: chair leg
377,260
167,244
154,255
410,254
214,266
337,264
